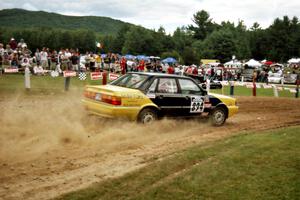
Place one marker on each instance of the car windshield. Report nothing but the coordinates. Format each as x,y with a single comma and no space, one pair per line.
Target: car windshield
130,81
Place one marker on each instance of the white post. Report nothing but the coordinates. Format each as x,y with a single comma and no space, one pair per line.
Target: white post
275,91
27,78
282,81
242,79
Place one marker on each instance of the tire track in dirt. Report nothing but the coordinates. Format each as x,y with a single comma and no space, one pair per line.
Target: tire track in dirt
47,148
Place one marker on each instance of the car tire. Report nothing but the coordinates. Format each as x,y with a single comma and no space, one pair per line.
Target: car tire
218,116
147,116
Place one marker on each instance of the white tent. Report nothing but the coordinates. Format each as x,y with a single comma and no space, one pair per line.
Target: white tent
233,64
294,60
253,63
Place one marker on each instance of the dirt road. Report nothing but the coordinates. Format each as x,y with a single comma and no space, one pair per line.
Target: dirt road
48,146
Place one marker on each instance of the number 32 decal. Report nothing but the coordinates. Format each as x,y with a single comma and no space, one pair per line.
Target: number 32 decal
196,104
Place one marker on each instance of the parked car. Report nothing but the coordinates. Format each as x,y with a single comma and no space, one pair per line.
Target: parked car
290,78
275,78
146,97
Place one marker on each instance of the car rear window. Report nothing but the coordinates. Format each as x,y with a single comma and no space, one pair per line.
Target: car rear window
130,81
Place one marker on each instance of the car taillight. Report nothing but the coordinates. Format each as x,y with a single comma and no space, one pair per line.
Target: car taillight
89,94
114,100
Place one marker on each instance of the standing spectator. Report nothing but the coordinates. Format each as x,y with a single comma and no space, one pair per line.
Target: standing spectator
170,70
9,50
44,58
37,56
64,60
13,44
1,56
123,65
21,44
195,70
141,66
53,60
92,62
87,59
98,61
107,61
1,49
14,60
74,61
112,63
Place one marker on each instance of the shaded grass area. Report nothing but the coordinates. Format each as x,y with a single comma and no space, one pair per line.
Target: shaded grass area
263,165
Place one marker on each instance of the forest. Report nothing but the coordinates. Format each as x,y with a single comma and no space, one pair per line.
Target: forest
203,38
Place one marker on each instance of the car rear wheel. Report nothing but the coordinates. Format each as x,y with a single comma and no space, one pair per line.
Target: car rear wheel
147,116
218,116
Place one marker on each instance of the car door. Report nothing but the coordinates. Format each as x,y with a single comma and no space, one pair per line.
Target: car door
166,96
193,97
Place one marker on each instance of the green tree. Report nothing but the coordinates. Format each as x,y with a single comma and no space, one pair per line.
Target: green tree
203,25
219,45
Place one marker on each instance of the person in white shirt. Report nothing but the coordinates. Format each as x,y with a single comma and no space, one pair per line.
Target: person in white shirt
44,58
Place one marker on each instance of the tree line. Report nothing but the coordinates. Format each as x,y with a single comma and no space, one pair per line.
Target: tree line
202,39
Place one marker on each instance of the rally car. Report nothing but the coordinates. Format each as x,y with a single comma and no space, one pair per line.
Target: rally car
146,97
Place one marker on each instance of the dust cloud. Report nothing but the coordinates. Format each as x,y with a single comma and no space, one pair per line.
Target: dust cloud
35,125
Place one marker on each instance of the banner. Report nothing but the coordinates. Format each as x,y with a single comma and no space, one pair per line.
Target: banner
69,73
11,70
96,75
113,76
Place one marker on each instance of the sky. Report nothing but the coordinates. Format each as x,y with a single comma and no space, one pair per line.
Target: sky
167,13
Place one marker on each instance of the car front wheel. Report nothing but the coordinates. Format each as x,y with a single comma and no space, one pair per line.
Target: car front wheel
218,116
147,116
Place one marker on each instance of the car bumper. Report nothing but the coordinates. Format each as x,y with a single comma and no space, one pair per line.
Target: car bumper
232,110
110,111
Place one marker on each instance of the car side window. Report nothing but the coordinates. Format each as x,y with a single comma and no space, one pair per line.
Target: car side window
189,87
152,87
167,85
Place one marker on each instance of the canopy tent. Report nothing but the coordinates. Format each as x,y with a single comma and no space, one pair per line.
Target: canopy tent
267,62
129,57
169,60
263,61
142,57
233,64
253,63
294,60
154,57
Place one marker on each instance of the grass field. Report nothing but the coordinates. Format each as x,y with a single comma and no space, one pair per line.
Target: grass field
262,165
10,83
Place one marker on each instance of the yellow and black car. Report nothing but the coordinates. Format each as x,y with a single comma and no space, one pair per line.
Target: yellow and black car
145,97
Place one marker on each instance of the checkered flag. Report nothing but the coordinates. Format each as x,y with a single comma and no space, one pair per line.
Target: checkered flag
82,76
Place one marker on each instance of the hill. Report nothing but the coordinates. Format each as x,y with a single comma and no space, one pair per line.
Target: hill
19,18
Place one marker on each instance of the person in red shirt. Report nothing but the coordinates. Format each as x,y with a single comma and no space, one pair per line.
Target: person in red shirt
195,71
141,66
171,69
123,65
13,44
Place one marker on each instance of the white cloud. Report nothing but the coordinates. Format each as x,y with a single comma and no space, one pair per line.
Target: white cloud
168,13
